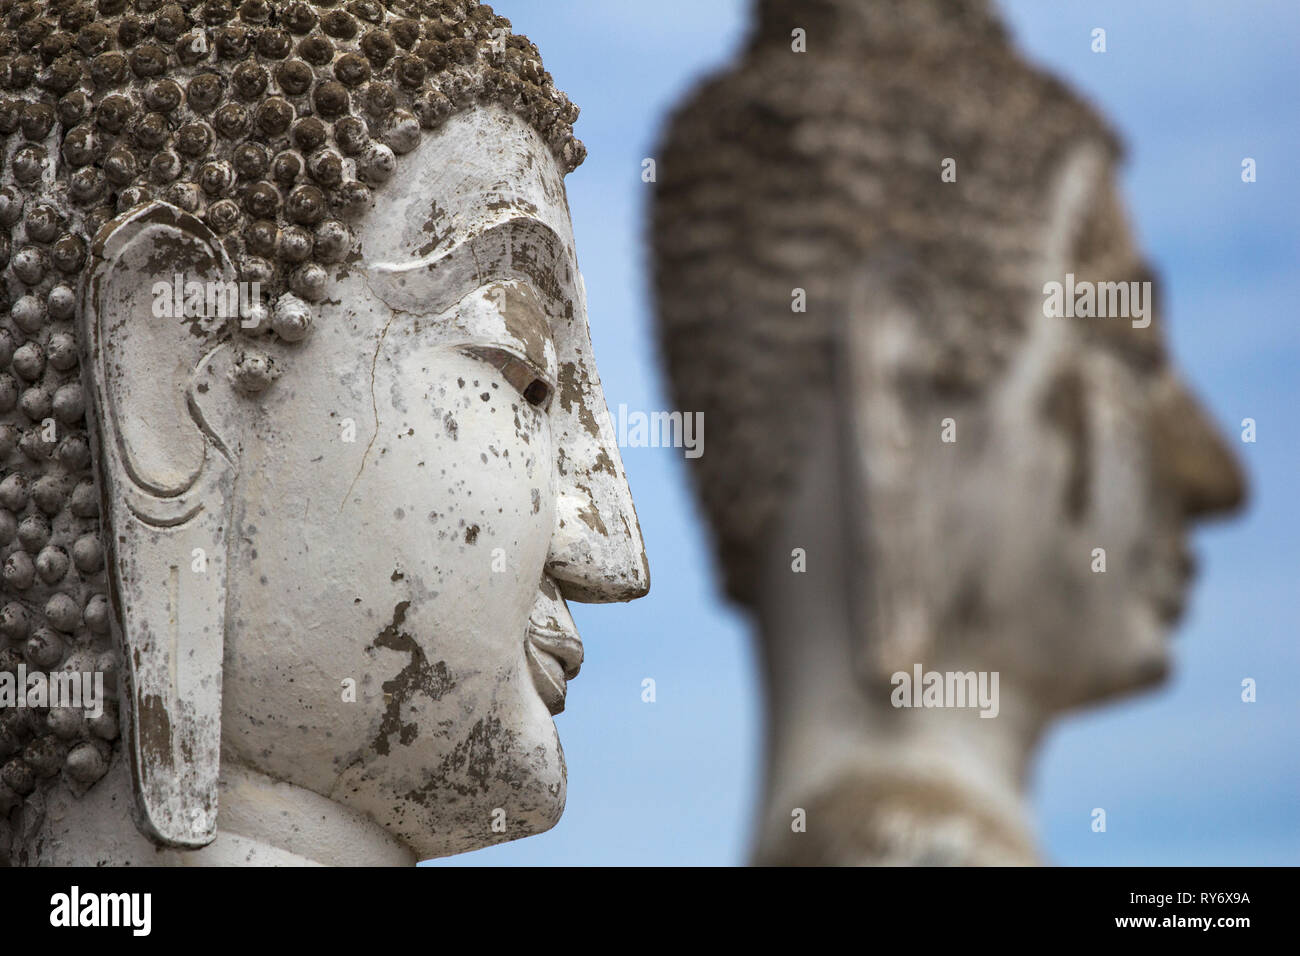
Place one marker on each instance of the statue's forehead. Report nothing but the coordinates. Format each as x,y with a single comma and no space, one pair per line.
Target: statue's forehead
484,167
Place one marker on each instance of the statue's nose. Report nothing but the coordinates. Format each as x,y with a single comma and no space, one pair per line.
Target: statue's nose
597,554
1192,459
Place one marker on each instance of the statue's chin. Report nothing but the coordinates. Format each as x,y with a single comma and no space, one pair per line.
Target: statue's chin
1139,662
1150,632
498,778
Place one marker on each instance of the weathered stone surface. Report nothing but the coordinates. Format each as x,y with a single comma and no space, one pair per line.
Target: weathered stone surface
862,539
314,523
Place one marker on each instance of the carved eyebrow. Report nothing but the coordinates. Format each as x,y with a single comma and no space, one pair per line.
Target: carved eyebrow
520,248
520,226
527,324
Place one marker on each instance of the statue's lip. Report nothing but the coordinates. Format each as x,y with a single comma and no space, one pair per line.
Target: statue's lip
554,658
548,677
564,646
1173,585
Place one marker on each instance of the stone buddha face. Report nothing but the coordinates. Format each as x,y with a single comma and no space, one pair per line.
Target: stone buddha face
919,300
1046,528
304,445
430,558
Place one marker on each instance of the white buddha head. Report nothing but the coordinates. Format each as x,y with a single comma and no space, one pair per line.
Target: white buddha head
306,440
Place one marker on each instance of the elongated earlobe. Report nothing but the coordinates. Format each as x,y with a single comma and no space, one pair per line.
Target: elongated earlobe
878,462
165,478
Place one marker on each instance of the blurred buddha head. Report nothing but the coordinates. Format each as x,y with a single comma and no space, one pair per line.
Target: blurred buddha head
946,437
303,444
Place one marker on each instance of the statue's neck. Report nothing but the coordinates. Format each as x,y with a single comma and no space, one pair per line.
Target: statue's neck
877,783
288,825
260,822
880,785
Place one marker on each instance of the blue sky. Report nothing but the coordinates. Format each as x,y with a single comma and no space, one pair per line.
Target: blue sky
1188,774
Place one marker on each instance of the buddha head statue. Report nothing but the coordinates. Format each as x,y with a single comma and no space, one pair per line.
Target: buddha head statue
304,449
916,459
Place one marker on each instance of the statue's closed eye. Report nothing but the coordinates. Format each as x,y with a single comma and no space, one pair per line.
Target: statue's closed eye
520,373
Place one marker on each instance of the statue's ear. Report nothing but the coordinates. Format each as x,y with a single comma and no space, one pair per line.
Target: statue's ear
166,478
894,369
880,345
